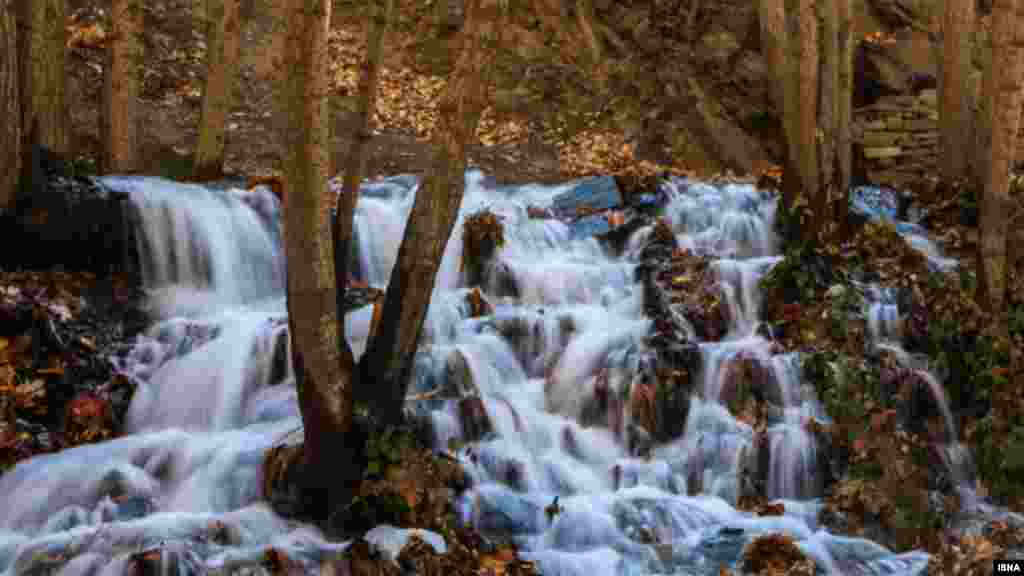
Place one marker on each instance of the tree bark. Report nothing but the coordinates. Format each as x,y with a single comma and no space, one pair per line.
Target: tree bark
844,117
389,358
1004,105
828,103
772,20
323,380
42,81
121,88
954,100
807,118
222,44
356,160
10,108
792,183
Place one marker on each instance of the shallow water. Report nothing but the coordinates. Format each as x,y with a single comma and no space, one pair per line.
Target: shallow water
215,389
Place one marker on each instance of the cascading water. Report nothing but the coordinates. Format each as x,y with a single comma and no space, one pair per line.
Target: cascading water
215,390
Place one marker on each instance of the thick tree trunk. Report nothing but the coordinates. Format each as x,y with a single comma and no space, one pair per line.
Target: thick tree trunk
356,160
954,100
828,103
223,32
10,108
121,89
324,381
844,117
42,81
389,359
1004,105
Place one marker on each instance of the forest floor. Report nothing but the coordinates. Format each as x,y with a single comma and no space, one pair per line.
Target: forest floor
515,146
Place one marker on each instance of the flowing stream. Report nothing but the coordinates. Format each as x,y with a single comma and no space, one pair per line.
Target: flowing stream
214,390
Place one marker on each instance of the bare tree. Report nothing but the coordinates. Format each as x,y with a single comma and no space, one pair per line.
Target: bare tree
1003,95
324,381
223,35
326,378
10,107
121,87
954,100
389,357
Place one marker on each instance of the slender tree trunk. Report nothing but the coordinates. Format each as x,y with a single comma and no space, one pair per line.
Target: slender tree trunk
955,97
772,19
828,99
356,160
792,184
10,108
982,134
323,379
1004,105
42,81
121,89
808,103
844,116
222,44
389,359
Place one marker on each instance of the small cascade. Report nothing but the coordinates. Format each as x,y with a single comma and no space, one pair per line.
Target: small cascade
537,388
885,333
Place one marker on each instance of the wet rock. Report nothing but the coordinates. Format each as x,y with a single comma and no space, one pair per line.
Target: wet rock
505,512
172,558
458,376
501,280
604,406
478,304
639,441
390,540
593,194
747,376
587,226
482,235
473,418
78,225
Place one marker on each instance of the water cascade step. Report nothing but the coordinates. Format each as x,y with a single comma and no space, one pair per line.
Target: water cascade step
558,368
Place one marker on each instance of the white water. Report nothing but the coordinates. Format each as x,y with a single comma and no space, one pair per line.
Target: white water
215,391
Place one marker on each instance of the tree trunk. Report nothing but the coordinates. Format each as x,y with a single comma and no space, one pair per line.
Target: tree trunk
772,19
42,81
792,183
121,89
389,358
323,379
828,99
807,118
10,108
1004,104
356,159
844,117
222,43
954,100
